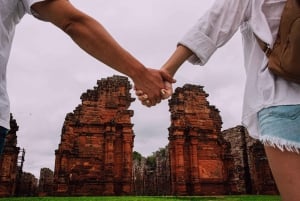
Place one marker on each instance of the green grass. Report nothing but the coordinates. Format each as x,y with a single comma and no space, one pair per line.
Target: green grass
148,198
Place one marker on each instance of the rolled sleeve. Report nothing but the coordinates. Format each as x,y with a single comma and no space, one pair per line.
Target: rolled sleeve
201,45
28,3
214,29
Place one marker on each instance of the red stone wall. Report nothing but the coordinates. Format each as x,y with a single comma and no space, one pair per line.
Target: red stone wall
195,144
262,181
9,161
250,172
28,185
45,182
94,156
239,175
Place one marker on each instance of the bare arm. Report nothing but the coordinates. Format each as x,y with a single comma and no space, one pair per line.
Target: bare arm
92,37
180,55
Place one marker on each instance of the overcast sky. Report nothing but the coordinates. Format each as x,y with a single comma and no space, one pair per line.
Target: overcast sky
47,72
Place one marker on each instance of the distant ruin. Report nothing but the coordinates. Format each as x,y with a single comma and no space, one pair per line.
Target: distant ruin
13,181
45,187
9,172
200,159
95,155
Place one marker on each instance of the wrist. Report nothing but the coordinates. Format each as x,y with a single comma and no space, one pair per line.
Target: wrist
169,69
137,72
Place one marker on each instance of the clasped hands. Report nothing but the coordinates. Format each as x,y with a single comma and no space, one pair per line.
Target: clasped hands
153,87
165,94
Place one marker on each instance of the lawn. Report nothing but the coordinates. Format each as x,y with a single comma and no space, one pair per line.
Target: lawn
147,198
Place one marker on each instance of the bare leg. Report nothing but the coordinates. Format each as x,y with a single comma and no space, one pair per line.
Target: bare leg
285,167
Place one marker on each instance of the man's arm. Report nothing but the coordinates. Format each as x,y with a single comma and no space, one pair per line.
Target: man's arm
92,37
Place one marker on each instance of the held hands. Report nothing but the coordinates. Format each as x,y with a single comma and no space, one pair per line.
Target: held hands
164,84
165,94
164,89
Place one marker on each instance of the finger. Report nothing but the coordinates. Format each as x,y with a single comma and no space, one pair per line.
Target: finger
164,94
147,103
167,91
139,92
143,97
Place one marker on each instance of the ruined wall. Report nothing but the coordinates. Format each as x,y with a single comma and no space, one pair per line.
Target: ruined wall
195,144
9,161
45,182
262,181
28,185
238,173
151,175
250,173
94,156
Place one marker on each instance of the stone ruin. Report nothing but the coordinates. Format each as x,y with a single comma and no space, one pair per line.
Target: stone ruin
249,171
9,170
13,181
28,185
200,159
45,187
95,155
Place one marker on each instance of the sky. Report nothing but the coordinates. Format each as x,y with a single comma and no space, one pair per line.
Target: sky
47,72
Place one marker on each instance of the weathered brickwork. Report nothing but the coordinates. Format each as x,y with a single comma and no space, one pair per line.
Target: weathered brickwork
250,172
8,162
28,185
45,182
94,156
195,144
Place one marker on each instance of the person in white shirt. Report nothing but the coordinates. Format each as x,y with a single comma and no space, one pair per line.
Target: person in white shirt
271,108
86,32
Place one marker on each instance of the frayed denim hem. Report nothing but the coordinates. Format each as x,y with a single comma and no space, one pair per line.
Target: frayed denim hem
281,144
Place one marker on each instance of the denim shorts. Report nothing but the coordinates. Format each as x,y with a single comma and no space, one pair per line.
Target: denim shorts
280,127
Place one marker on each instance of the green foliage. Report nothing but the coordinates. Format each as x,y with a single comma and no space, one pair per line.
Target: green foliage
137,156
149,198
151,161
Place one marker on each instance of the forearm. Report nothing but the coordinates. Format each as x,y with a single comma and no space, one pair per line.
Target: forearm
180,55
95,40
90,35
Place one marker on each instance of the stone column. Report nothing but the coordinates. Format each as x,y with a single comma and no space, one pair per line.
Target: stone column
196,186
109,161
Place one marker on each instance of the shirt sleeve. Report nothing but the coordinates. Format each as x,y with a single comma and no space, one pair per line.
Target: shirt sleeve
28,3
214,29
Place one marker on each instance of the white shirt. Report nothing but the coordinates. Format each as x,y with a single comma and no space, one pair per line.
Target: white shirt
11,12
219,24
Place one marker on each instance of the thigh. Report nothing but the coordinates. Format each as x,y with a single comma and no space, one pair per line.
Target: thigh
285,167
